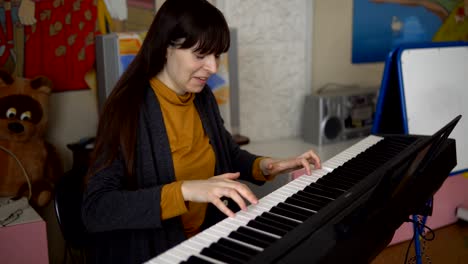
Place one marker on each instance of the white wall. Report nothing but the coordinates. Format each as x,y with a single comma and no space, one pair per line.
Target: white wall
73,115
273,63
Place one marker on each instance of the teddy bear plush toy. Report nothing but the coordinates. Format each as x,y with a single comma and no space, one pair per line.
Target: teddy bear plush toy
23,150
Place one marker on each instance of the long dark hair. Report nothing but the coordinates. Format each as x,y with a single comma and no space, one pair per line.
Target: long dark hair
180,23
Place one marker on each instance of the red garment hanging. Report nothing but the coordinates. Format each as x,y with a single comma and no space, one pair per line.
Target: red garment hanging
61,44
6,34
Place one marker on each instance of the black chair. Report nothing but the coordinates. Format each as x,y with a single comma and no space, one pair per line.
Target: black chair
68,199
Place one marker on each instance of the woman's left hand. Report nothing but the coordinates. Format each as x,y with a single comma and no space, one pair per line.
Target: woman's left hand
274,167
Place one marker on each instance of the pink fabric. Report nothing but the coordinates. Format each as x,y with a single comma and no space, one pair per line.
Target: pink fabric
296,174
24,243
451,195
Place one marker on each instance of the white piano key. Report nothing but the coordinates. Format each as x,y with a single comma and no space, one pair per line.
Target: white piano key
207,237
297,186
303,181
181,253
178,255
163,259
166,258
204,240
285,193
195,245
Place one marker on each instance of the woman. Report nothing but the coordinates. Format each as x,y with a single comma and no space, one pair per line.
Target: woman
163,159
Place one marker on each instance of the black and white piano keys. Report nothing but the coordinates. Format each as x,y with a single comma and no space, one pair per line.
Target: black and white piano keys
237,239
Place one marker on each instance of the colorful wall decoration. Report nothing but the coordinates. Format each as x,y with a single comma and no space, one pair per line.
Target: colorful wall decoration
381,25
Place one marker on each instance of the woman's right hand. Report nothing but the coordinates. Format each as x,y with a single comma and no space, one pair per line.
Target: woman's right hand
212,189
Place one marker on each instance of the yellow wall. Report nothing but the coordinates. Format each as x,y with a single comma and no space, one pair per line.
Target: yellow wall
332,44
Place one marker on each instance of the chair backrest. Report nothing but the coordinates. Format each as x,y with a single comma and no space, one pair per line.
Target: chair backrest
68,199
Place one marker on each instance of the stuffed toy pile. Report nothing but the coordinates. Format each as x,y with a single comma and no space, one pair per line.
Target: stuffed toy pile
23,122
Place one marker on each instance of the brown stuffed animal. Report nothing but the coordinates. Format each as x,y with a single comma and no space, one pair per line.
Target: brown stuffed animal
23,122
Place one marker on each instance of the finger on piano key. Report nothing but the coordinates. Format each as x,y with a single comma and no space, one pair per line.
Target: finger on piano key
252,212
266,205
315,173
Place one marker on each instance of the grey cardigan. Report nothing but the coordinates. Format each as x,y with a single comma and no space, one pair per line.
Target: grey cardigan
125,226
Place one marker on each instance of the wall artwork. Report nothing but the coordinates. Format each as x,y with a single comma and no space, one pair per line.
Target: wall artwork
381,25
219,84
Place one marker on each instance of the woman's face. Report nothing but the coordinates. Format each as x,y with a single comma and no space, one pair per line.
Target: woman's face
187,71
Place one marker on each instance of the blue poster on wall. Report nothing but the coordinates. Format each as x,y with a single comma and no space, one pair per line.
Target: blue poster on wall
381,25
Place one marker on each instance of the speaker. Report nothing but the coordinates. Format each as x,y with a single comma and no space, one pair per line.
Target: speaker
337,116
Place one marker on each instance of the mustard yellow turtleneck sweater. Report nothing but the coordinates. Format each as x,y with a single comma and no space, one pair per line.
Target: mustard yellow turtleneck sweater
192,155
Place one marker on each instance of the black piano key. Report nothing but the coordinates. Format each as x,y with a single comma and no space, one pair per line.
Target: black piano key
260,236
355,171
319,204
270,222
380,155
315,197
237,247
287,213
247,239
196,260
302,203
296,209
328,188
279,219
314,190
348,172
229,251
376,157
267,228
335,183
343,177
220,256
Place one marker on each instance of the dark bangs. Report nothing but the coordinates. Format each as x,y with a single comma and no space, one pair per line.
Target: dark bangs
204,28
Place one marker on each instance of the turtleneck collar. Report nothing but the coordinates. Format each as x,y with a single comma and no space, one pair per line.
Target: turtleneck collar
169,95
